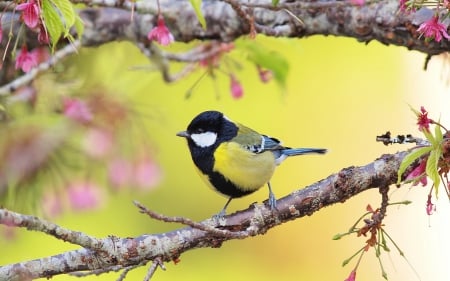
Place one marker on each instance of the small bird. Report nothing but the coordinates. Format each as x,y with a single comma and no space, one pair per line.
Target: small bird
234,159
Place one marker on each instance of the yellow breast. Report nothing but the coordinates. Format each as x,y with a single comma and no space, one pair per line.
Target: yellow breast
245,169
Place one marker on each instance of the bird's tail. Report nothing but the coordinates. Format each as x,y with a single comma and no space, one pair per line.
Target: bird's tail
300,151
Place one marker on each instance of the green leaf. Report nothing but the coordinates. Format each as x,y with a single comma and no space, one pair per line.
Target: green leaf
59,16
275,2
430,137
52,22
67,13
197,5
432,167
409,159
266,58
438,135
79,26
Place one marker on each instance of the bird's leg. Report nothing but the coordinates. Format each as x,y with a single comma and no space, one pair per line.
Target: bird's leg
222,213
272,199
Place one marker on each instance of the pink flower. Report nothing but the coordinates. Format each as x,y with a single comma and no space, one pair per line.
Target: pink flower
77,110
402,5
30,13
1,31
146,173
235,87
433,29
423,121
84,195
43,36
26,60
352,276
98,142
160,33
419,171
430,206
119,172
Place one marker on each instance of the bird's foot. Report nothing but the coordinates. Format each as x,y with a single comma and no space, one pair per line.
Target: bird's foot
272,199
219,217
272,202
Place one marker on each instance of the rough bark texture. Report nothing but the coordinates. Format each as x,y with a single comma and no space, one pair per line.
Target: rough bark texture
377,21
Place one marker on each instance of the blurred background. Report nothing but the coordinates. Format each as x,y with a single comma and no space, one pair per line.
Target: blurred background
340,94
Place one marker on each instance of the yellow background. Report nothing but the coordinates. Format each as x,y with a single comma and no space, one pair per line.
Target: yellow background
340,94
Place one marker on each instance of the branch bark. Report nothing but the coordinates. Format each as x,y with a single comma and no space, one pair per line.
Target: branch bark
378,20
114,253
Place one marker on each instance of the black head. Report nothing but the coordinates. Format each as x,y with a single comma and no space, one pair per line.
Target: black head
205,133
208,121
209,128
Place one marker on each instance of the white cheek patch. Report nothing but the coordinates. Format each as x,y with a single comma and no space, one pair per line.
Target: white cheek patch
204,139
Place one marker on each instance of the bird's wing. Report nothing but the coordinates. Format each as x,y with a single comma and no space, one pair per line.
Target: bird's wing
255,142
269,143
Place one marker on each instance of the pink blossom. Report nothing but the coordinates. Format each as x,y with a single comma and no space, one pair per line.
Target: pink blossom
77,110
160,33
30,13
119,172
430,206
26,60
84,195
419,171
43,36
1,31
352,276
433,29
423,121
235,87
98,142
146,173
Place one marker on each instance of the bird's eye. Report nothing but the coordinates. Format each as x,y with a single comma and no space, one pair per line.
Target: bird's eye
199,131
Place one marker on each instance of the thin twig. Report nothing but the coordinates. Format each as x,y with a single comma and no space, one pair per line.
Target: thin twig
191,223
157,262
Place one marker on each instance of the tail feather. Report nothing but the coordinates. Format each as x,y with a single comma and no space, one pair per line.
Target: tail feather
300,151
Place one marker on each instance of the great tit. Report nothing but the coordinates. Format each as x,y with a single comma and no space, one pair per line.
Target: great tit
234,159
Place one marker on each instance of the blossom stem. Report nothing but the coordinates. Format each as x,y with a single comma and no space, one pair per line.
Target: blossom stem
353,227
440,125
345,262
393,242
159,7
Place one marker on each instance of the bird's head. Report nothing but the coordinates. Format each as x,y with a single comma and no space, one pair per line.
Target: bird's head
209,129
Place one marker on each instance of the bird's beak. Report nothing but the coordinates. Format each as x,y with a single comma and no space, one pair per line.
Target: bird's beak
183,134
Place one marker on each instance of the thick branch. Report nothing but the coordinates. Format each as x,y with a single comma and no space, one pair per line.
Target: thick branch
257,219
378,20
227,20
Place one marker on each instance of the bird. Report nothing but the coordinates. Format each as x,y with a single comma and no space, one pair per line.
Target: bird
234,159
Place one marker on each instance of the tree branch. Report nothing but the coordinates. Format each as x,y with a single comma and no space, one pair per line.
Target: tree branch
113,253
378,20
108,21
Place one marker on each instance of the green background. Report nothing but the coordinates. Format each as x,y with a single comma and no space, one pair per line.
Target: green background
339,95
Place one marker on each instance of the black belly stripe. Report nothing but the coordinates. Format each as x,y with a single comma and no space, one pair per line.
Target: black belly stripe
226,187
